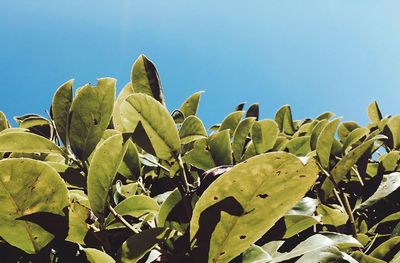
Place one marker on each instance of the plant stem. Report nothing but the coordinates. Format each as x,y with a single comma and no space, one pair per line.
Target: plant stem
344,201
122,220
183,174
184,189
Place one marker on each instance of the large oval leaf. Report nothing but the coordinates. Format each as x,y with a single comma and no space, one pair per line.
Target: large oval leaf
62,101
145,79
105,163
155,130
27,187
90,115
24,142
231,213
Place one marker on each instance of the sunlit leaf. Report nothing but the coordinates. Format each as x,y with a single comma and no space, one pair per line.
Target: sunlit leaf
28,187
246,193
90,115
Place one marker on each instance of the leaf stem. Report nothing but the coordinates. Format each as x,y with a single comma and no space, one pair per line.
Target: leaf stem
183,174
344,201
122,220
153,162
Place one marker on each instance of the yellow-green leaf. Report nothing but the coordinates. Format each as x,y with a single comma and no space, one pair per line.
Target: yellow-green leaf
145,79
154,129
90,115
104,165
62,101
192,129
325,142
231,213
24,142
27,187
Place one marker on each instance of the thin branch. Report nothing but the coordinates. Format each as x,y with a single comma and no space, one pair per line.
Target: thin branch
153,162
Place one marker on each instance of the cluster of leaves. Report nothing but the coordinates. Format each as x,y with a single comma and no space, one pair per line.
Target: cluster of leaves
105,180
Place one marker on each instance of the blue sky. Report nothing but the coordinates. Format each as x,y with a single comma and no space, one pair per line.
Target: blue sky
314,55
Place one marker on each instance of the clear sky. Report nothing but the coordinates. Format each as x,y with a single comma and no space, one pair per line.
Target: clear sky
314,55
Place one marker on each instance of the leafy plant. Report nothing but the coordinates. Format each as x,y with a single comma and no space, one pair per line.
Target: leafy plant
126,180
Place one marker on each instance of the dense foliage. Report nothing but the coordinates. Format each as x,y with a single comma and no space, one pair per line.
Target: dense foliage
105,180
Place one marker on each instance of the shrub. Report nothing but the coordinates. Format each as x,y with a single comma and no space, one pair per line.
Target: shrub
105,180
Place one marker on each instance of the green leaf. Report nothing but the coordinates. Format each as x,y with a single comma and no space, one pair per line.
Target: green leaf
389,161
106,160
60,107
172,200
389,184
190,105
130,166
362,258
155,123
317,245
220,148
325,116
119,115
253,111
135,206
374,113
299,146
395,217
249,152
200,156
145,79
283,118
26,187
240,136
255,254
139,244
389,247
97,256
24,142
268,184
231,122
315,132
345,128
332,216
325,142
78,228
298,223
3,122
264,134
90,115
344,165
394,127
355,136
192,129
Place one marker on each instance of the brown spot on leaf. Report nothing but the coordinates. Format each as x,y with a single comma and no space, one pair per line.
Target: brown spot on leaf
263,196
215,198
242,237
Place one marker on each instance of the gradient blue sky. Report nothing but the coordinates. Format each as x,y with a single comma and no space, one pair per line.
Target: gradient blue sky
314,55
